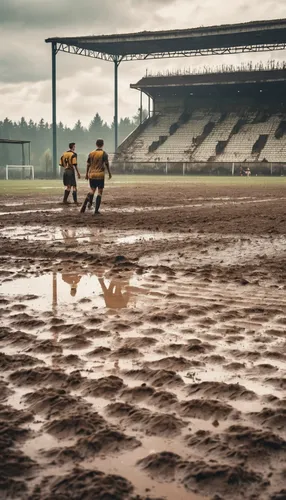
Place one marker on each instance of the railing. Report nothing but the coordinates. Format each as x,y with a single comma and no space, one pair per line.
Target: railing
199,168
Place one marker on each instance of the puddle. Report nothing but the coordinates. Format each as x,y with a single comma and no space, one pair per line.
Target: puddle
124,466
77,291
71,236
38,233
134,238
215,202
43,210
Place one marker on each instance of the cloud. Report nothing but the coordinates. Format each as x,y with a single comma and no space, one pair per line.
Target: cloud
85,85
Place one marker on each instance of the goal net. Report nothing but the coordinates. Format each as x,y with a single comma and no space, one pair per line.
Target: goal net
19,172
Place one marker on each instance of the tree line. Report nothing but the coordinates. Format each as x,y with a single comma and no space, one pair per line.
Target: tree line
40,135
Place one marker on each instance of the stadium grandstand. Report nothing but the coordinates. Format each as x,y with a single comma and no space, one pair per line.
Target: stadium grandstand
225,117
231,116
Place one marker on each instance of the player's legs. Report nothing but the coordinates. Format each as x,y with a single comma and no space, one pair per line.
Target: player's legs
66,194
98,200
89,196
68,181
89,205
74,194
67,187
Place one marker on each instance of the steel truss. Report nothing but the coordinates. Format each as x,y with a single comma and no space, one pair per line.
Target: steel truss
72,49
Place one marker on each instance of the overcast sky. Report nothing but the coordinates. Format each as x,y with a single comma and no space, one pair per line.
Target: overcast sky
85,86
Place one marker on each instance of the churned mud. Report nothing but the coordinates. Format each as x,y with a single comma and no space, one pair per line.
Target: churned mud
143,352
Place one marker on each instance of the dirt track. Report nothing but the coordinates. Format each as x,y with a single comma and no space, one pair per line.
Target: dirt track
142,352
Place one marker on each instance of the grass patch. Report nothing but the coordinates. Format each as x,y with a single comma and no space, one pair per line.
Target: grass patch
27,187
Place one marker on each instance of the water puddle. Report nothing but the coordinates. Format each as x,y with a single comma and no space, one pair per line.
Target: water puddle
215,202
77,291
71,236
135,238
43,210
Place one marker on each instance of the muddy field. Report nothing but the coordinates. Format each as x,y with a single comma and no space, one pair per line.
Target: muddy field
143,351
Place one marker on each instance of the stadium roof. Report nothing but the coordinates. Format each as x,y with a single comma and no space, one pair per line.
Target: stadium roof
236,77
256,36
13,141
247,83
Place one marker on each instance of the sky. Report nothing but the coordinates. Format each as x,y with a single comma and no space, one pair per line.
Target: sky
84,85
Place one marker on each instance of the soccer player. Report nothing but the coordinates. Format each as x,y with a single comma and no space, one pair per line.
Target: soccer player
95,173
69,162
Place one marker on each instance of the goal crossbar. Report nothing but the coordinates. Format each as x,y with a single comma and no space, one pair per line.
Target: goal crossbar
30,167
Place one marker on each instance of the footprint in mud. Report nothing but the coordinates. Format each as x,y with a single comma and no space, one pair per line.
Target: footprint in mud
157,378
244,355
96,333
59,360
14,464
100,442
18,417
104,387
170,363
99,352
276,355
160,399
196,346
221,390
273,419
214,359
158,424
262,369
18,307
75,342
86,484
168,466
5,391
153,331
234,367
76,424
126,353
24,320
15,338
38,376
15,361
137,394
52,402
277,382
261,450
163,400
139,342
207,409
44,347
167,317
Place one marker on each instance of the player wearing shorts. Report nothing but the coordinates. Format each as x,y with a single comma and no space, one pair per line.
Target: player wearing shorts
95,173
69,162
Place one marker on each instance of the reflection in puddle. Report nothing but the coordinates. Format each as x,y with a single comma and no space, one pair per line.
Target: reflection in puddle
77,290
72,236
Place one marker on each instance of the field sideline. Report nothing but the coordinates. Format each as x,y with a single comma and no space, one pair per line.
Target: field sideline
36,186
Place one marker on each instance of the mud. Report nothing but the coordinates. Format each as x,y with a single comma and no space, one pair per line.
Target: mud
142,353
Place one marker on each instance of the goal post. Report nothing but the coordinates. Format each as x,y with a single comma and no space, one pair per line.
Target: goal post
30,169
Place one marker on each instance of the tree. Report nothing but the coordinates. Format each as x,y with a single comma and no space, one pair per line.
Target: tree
46,161
95,126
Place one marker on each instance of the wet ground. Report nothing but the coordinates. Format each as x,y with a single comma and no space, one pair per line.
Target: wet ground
142,352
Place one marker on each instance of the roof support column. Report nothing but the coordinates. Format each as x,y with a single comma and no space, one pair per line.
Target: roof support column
141,107
116,64
54,108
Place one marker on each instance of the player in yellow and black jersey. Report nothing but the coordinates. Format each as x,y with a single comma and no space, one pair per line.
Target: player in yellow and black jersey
95,173
69,162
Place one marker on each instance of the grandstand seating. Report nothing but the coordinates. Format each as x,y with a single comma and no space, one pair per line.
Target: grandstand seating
197,140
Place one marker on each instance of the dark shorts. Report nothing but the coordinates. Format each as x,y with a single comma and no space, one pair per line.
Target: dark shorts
69,178
96,183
